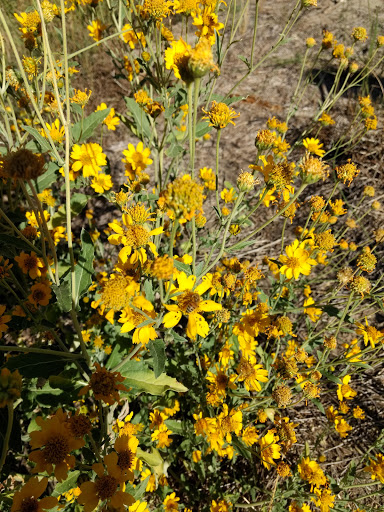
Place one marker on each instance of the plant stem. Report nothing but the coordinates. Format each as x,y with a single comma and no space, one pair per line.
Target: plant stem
7,435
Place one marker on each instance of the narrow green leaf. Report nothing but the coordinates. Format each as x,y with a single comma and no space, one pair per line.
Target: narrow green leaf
140,377
157,350
148,290
42,141
183,267
140,117
84,267
36,365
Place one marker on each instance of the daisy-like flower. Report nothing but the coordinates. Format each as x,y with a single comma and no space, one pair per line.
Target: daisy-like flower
56,131
132,319
31,264
251,374
40,294
297,261
176,58
171,503
137,157
123,461
4,319
310,471
89,157
161,435
190,304
230,421
135,237
314,146
220,381
101,183
105,385
27,499
96,29
269,449
370,333
207,24
344,390
52,446
107,487
111,121
376,468
220,115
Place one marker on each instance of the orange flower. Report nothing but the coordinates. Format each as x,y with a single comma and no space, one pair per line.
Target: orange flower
27,498
105,487
31,264
40,294
55,442
104,385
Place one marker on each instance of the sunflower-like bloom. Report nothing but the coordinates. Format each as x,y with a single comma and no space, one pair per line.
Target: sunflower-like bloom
190,304
376,467
132,319
27,499
220,115
314,146
230,421
89,157
297,261
52,445
310,471
251,374
207,24
269,449
176,58
344,390
137,157
105,385
31,264
123,461
106,487
135,237
370,333
182,199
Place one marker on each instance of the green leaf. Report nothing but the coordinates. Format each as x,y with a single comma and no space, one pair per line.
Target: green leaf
90,124
183,267
69,483
78,203
63,295
331,377
148,290
140,117
36,365
318,404
45,180
84,267
202,128
42,141
137,492
152,459
157,350
331,310
176,426
175,150
140,377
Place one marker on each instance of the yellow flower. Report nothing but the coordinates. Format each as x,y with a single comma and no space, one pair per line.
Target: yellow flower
171,503
186,6
111,121
310,471
182,199
342,426
55,131
101,183
228,196
344,390
176,58
151,485
31,264
297,261
325,499
40,294
370,333
52,445
313,146
313,312
89,157
96,29
376,468
220,115
10,382
81,97
189,303
105,385
27,498
132,319
251,374
137,157
207,24
269,450
161,435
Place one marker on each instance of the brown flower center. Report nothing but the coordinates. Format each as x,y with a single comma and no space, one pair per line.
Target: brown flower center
56,449
38,295
125,459
189,302
222,381
106,486
30,262
103,383
29,505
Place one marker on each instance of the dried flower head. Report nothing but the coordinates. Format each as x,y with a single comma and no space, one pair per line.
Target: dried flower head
23,164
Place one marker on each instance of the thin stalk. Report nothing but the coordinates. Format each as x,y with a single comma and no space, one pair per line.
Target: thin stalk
7,435
217,169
